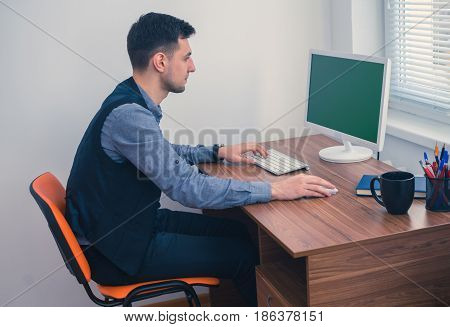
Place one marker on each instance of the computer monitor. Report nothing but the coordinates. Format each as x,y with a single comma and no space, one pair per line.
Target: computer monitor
348,99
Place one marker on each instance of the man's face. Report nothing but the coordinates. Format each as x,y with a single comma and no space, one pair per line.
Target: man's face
180,65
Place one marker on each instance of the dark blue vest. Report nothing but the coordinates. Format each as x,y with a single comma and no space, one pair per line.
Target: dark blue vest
112,203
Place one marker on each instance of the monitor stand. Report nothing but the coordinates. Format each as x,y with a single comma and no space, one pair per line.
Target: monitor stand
345,153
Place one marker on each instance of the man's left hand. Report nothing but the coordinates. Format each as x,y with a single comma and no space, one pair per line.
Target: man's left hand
234,153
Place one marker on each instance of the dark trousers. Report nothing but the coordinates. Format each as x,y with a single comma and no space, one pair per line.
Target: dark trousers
190,245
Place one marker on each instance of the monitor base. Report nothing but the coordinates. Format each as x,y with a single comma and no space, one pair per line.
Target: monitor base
346,153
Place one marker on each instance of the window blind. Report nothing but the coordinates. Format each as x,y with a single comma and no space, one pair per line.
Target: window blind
419,48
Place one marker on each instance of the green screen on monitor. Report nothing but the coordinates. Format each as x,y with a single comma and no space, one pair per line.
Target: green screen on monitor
345,95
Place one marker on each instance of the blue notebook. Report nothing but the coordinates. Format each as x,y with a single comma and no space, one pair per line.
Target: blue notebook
363,187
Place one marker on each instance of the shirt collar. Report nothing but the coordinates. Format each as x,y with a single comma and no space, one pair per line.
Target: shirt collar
154,108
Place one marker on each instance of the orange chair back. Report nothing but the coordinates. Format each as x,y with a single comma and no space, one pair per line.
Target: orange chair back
50,196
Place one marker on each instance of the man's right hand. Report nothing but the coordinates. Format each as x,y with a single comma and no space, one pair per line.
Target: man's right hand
299,186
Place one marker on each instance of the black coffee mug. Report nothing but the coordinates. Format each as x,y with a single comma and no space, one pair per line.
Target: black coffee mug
397,191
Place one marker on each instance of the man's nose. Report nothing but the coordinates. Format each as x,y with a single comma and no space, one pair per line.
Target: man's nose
192,66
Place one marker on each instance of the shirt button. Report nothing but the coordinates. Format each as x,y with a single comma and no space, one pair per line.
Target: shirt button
177,162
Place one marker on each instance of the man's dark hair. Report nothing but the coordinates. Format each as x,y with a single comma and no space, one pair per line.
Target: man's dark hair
153,33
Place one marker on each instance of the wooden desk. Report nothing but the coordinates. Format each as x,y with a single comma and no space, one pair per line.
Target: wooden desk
343,250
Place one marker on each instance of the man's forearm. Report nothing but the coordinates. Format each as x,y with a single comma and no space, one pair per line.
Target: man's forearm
194,154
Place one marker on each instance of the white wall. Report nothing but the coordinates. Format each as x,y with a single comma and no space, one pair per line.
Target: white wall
368,27
341,25
251,67
358,26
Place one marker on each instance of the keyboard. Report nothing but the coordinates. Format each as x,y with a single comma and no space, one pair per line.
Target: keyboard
276,162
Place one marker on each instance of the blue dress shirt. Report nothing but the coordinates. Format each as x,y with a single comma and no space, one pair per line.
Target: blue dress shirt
131,132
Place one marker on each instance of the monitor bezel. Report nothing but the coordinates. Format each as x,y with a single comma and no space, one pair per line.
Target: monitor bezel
378,146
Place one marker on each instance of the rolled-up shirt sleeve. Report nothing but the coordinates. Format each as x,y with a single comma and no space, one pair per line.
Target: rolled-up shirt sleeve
194,154
138,137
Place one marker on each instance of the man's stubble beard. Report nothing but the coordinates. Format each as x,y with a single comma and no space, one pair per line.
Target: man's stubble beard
170,87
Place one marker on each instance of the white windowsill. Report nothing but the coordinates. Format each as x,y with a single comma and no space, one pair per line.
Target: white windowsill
416,129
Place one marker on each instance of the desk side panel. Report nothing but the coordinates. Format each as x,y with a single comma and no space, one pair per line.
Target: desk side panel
410,270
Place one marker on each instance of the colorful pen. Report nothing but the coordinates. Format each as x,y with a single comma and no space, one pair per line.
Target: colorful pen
436,153
427,170
445,160
435,167
440,170
426,158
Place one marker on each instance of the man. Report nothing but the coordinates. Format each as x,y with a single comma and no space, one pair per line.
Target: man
123,163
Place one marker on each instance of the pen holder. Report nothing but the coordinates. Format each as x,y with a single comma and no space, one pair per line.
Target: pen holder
438,194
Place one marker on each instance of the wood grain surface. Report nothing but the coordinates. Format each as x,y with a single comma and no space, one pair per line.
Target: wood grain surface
311,226
412,270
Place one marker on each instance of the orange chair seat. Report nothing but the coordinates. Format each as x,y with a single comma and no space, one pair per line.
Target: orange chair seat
121,292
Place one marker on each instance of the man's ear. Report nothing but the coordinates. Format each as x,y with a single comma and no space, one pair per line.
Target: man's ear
159,61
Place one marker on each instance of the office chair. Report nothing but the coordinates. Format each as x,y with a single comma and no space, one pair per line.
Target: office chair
50,196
